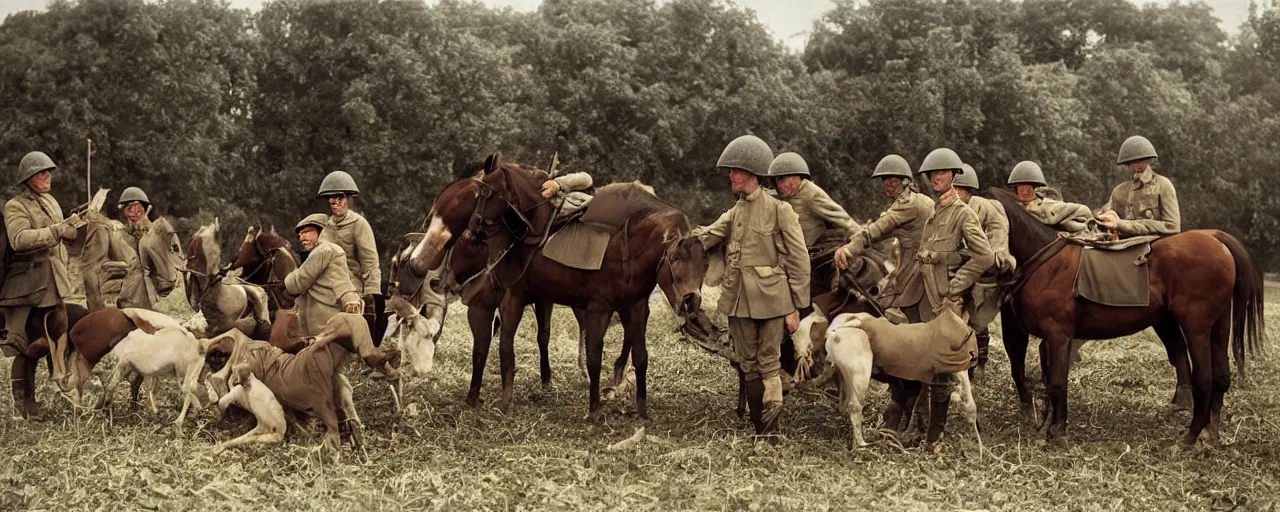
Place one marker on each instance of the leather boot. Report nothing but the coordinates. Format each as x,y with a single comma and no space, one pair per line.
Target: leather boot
977,372
892,416
755,404
14,344
939,402
772,404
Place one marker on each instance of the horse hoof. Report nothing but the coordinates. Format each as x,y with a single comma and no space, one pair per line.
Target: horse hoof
474,401
504,406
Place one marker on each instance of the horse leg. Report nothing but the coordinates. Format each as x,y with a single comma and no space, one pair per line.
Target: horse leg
634,322
1198,343
511,310
580,314
597,324
481,322
1055,356
619,376
1176,346
1221,337
1015,340
135,385
542,313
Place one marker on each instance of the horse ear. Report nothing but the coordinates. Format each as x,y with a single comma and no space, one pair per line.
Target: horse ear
492,163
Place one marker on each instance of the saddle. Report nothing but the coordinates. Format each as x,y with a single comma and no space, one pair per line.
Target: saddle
1115,273
580,240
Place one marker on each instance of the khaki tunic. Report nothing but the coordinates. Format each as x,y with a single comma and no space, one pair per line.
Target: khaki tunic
571,199
1063,216
322,286
994,222
1147,205
110,252
37,276
354,235
905,221
818,213
767,265
953,245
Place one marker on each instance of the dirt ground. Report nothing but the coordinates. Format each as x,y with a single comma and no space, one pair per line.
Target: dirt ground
442,454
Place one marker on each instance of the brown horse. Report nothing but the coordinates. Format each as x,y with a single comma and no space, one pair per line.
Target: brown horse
654,240
266,258
1205,300
225,305
459,266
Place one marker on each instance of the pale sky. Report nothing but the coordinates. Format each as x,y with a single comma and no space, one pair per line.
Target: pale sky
790,20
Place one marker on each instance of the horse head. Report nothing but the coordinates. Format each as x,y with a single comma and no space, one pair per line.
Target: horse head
510,194
248,255
417,333
160,252
450,214
203,257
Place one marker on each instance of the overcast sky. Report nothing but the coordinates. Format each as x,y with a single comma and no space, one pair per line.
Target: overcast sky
790,20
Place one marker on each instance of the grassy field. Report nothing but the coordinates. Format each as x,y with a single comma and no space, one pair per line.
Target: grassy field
698,455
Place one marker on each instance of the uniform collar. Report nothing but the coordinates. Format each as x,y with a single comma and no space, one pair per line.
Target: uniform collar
754,195
948,198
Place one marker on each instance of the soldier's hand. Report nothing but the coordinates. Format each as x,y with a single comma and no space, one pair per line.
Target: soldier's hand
66,231
550,188
841,258
1109,219
793,321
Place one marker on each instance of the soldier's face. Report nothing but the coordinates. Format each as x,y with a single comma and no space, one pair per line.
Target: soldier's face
41,182
788,185
1026,192
941,180
308,236
339,205
1139,166
892,186
743,182
134,212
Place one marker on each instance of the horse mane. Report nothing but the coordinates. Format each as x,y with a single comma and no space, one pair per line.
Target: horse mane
1021,222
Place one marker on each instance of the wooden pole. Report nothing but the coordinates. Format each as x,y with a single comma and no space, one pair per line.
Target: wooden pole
88,169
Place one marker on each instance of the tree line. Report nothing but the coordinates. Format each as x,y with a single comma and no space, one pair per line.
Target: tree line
224,112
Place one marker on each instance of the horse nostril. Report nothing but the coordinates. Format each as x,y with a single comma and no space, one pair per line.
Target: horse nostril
690,304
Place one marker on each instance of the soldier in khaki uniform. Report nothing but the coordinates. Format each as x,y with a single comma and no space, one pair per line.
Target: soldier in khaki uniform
1147,204
954,253
36,279
322,286
904,219
112,253
1027,180
567,193
825,224
995,224
766,280
351,232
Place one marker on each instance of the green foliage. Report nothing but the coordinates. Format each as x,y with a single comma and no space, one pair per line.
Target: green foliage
222,112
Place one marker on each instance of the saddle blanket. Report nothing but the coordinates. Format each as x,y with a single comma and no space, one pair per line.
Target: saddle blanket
1114,277
577,245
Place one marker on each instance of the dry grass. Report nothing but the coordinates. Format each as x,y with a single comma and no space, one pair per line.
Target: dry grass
697,455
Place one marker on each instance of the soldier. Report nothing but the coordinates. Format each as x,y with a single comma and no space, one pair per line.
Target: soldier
825,224
766,282
36,275
954,253
1028,183
904,219
137,291
995,224
567,193
352,233
1147,204
321,284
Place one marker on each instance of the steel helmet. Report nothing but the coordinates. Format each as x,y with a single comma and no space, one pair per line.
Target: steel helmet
788,164
942,159
892,165
32,163
132,194
338,182
748,153
1027,172
1134,148
968,178
316,220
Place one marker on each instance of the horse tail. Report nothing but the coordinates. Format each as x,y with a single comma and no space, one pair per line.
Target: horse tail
1247,320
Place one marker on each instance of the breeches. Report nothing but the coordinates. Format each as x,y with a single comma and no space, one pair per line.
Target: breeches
758,345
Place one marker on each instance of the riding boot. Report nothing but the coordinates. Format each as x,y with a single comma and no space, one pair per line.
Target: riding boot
976,373
940,402
755,404
771,404
15,322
